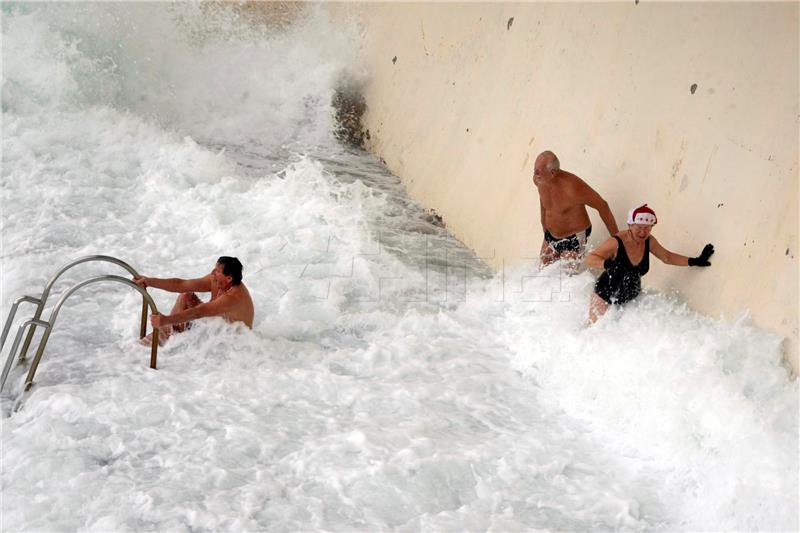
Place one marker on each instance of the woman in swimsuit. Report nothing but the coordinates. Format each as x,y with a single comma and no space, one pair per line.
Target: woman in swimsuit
625,259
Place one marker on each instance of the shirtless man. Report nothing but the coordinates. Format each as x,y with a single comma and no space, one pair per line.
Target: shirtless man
230,299
563,198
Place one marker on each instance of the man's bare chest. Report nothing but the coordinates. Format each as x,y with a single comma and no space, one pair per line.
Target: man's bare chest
216,292
556,198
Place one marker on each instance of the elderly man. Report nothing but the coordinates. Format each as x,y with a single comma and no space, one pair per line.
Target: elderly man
563,198
230,299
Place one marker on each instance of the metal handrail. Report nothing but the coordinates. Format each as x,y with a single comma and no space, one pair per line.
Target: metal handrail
54,315
10,359
42,300
11,315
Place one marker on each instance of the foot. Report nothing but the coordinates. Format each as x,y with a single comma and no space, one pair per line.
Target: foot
148,340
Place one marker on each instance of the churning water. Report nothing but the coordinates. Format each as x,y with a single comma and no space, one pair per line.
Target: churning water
391,381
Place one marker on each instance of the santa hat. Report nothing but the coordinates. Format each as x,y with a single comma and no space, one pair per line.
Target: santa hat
642,215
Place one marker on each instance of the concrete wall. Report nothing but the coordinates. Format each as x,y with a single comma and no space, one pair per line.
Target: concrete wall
461,98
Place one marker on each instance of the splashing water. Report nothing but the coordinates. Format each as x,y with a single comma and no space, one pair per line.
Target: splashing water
390,380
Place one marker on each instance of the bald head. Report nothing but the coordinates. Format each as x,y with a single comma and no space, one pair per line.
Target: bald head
546,165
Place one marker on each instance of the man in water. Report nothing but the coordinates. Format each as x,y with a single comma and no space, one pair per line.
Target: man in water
563,198
230,299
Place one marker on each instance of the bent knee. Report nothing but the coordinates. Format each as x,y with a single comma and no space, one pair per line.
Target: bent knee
189,299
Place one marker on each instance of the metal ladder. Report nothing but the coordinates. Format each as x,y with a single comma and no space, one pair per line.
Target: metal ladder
36,320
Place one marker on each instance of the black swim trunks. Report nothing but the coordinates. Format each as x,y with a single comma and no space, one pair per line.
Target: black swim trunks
572,243
622,281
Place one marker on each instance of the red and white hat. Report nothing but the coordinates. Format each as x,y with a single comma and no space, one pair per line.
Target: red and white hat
642,215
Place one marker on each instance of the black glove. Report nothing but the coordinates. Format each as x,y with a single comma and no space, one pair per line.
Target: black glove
702,259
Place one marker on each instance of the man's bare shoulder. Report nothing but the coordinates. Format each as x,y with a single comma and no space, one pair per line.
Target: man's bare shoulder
570,179
239,292
577,186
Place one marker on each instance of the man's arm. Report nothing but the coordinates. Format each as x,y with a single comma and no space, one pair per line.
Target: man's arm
176,284
217,307
595,201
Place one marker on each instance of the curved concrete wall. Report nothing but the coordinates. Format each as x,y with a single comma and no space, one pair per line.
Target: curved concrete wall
691,107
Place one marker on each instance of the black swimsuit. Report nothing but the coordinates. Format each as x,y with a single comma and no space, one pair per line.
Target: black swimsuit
622,282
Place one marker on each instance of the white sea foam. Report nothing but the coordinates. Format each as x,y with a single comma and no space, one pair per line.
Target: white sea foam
390,382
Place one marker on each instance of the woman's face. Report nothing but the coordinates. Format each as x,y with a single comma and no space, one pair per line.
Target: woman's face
640,231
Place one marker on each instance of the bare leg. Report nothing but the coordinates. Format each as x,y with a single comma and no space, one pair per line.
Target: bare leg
573,259
184,301
597,308
546,255
571,262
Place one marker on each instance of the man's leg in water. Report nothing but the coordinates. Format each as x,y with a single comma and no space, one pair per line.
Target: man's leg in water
572,258
186,300
546,255
571,261
597,308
